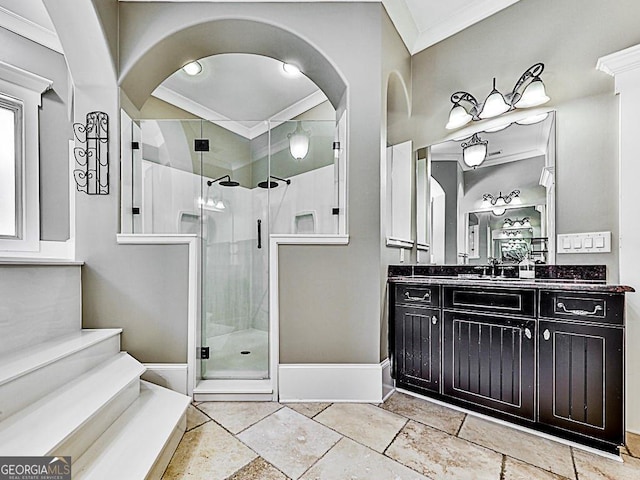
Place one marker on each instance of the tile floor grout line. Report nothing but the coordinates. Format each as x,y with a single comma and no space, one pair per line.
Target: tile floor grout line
575,467
321,411
320,458
259,457
466,415
504,464
384,452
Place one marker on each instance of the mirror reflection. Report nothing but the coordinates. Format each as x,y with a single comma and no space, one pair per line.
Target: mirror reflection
496,202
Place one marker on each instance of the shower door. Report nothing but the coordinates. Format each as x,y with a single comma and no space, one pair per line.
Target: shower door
235,293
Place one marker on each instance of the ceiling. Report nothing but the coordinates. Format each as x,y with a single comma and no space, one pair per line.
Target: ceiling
259,81
266,90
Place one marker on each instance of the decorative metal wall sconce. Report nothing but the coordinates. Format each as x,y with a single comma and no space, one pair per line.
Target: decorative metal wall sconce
528,92
92,174
499,203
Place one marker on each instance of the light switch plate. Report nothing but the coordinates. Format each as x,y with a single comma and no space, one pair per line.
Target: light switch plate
594,242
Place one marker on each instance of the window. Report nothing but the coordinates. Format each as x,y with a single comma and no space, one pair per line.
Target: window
10,169
20,98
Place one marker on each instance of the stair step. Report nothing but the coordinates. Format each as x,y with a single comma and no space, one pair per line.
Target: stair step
72,416
30,374
139,444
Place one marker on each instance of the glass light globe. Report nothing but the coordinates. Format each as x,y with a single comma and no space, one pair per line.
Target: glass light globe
533,95
494,105
458,117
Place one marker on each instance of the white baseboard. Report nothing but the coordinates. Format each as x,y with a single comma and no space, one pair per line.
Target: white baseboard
388,385
331,382
169,375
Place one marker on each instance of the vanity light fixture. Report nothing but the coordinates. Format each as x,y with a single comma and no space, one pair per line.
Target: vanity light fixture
192,68
517,223
299,142
529,91
499,204
474,152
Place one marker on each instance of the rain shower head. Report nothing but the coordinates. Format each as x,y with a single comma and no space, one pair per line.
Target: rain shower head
225,183
271,184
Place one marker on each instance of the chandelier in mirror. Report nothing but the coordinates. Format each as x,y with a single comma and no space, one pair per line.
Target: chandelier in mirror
529,91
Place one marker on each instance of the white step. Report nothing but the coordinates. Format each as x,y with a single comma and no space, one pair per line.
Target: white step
29,374
140,442
70,419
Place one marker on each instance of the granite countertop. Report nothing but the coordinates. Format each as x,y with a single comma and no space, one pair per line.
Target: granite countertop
537,283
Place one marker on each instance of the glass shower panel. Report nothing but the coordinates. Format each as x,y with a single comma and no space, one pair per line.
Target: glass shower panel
166,178
235,255
305,174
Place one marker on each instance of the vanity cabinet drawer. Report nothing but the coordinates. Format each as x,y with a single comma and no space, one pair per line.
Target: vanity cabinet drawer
423,295
494,300
587,307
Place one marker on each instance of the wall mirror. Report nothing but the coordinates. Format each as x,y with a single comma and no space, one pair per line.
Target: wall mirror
503,208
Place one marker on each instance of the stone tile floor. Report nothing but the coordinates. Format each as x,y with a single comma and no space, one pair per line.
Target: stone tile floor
405,438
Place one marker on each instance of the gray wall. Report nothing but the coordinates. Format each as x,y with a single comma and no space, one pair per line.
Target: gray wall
55,130
142,289
568,37
395,128
446,174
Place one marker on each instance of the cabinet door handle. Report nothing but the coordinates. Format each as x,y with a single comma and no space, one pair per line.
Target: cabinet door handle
582,313
426,296
546,334
434,319
527,333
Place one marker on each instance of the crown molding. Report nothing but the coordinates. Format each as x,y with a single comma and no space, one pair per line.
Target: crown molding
404,22
24,78
174,98
30,30
620,62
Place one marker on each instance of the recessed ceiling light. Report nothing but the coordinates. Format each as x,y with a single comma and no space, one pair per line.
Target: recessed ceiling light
192,68
291,69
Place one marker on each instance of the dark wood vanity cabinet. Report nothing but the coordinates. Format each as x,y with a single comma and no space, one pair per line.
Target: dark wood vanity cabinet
416,336
490,361
552,360
581,364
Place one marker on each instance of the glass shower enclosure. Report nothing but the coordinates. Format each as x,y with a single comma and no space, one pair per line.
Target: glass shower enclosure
233,191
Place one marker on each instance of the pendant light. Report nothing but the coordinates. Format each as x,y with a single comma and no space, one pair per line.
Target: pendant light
299,142
474,152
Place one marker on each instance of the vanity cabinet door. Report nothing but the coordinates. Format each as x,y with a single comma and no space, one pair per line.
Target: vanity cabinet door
581,379
417,347
489,361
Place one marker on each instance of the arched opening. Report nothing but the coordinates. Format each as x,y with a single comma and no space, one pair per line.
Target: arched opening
230,172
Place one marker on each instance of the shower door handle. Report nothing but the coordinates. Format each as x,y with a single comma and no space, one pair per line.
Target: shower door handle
259,233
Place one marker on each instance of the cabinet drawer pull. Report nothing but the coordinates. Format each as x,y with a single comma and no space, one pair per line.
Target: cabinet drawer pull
434,319
582,313
546,334
426,296
527,333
